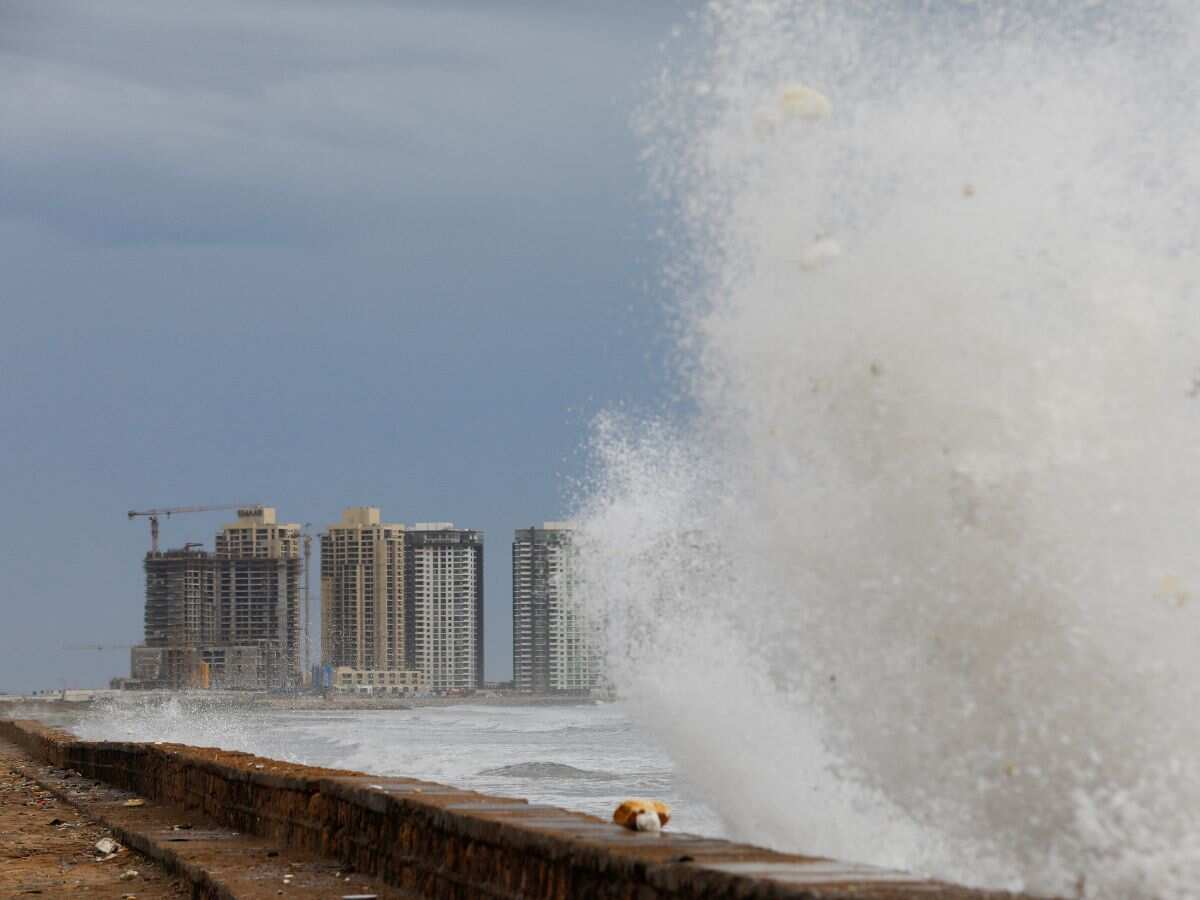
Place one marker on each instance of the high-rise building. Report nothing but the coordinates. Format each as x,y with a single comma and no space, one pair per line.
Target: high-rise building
179,598
257,596
229,619
178,618
443,595
553,648
362,593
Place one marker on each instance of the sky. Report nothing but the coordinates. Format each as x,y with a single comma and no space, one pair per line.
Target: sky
310,255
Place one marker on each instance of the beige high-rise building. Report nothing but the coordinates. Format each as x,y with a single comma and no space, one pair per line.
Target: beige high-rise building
257,596
362,593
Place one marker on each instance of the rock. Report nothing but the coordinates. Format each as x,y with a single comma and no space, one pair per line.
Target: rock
129,874
137,801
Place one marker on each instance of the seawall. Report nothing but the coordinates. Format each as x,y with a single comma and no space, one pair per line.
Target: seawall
442,842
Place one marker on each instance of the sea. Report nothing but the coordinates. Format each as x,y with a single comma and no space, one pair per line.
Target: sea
587,756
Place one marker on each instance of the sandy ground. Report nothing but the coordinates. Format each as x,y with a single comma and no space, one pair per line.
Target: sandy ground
48,849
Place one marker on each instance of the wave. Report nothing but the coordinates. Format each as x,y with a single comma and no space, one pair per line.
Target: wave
911,578
548,770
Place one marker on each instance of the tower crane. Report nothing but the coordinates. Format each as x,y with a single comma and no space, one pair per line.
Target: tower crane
168,511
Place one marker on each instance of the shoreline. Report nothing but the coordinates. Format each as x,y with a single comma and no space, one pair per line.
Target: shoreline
20,706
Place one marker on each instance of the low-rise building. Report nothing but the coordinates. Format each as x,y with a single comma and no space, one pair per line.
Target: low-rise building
239,667
172,668
403,682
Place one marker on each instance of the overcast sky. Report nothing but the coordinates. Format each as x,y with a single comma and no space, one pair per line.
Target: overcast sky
308,254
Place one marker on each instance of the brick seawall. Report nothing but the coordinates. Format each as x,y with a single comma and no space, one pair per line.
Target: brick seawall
442,842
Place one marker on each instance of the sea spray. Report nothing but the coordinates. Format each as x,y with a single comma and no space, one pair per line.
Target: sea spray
917,582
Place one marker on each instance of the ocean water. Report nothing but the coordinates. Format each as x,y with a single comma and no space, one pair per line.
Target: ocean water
584,757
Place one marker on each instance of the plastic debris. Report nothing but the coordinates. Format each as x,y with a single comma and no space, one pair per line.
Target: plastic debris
135,802
107,846
642,815
129,874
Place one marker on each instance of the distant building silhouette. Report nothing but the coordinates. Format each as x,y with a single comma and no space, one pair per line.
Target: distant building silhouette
553,648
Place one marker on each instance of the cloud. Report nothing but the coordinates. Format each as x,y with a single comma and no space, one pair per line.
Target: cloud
243,239
270,121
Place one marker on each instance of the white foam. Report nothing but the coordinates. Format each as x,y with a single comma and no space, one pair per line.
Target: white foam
914,582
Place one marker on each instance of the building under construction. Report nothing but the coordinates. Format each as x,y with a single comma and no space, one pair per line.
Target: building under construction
178,619
257,594
228,619
179,592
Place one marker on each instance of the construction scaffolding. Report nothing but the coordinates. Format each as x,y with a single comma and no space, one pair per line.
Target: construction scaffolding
231,618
